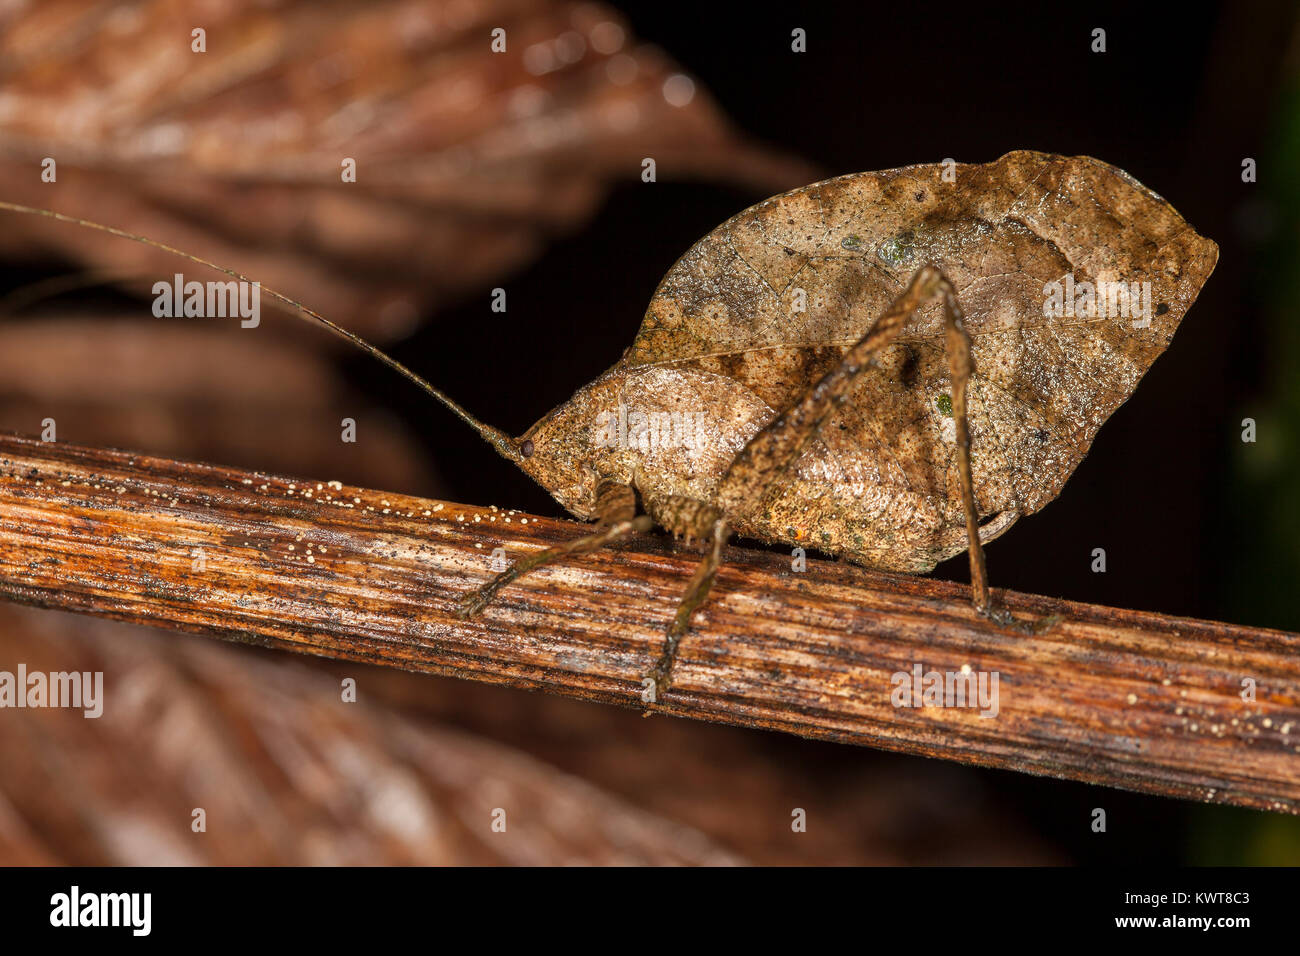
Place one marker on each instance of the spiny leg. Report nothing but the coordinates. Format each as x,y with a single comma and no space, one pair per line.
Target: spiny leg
615,506
957,345
765,458
696,592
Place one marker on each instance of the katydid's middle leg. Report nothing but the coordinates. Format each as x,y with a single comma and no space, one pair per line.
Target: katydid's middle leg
696,592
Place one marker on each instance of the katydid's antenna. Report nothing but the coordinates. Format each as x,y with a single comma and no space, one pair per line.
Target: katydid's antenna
499,440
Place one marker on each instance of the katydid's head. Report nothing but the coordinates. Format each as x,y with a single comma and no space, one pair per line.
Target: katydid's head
551,454
565,452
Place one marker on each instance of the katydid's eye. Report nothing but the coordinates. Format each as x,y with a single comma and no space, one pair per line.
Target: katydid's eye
526,449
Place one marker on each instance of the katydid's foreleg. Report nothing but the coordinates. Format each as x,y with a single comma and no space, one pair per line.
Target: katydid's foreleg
616,514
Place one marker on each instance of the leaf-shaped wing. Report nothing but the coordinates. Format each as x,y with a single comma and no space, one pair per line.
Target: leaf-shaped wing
772,298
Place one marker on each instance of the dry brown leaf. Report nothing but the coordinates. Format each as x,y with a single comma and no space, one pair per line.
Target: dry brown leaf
285,771
196,391
468,160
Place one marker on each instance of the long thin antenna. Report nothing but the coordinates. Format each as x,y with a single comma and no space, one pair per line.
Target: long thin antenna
502,442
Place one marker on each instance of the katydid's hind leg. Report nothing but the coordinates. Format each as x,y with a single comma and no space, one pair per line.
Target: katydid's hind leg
616,508
769,454
957,346
696,592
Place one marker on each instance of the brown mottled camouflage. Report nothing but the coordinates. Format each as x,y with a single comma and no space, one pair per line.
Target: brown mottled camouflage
879,484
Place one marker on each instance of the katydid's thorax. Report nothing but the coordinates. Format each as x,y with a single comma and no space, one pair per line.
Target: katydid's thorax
666,432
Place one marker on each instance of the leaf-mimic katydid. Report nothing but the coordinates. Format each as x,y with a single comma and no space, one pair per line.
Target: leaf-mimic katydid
888,367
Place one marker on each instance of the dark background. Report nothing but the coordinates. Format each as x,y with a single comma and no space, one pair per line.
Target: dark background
1182,94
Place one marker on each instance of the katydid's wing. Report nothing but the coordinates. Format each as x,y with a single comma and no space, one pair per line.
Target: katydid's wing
771,298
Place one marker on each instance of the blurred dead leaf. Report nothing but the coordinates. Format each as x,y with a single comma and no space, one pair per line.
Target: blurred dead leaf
196,391
467,160
284,770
